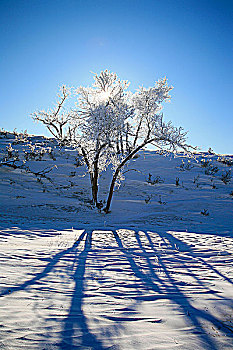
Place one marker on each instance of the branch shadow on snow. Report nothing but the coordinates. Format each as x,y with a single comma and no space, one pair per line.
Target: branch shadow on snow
75,325
169,289
75,320
76,334
48,268
181,245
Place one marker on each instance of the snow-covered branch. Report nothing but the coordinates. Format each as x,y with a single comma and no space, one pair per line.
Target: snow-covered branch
57,120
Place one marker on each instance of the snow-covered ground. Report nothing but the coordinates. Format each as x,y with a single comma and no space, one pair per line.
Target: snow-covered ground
155,273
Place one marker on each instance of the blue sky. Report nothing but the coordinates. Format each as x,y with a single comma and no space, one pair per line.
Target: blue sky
45,43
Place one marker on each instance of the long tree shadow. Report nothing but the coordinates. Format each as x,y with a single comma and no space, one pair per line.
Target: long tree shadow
76,333
75,321
201,313
169,289
48,268
180,245
190,260
75,325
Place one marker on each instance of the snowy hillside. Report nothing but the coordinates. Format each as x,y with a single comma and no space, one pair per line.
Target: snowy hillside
162,192
155,273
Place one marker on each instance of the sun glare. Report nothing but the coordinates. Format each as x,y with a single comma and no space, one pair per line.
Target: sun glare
105,95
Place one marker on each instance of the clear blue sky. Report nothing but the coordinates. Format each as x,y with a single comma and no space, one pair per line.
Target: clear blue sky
44,43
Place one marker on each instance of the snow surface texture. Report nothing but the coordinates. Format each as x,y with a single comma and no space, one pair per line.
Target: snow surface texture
155,273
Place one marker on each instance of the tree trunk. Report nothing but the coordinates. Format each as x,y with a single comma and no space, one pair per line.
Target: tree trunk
94,189
137,134
110,194
122,144
117,146
127,139
114,178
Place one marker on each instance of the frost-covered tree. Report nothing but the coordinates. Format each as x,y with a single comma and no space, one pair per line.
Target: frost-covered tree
57,120
110,124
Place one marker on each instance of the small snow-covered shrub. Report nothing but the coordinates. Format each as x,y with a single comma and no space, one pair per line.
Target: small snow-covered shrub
17,159
224,160
160,201
37,152
205,212
196,180
210,151
51,153
12,155
148,198
185,166
226,177
20,137
10,151
3,133
156,180
213,184
205,163
211,170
